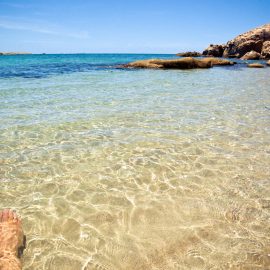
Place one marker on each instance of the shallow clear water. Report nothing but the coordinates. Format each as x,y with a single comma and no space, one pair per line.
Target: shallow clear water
136,169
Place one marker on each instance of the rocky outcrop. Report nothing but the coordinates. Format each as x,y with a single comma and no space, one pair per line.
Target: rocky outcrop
183,63
256,65
257,40
189,54
250,41
214,50
252,55
266,50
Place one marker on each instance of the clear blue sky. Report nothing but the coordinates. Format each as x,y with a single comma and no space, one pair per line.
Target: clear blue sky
150,26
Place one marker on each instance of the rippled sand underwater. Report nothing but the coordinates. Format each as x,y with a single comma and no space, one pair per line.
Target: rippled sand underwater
146,169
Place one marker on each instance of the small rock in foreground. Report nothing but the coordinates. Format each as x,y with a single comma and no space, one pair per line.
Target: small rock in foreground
256,65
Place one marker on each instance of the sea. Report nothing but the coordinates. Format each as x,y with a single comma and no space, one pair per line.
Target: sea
128,169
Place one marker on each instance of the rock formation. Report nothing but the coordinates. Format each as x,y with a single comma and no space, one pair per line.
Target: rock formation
257,40
189,54
214,50
183,63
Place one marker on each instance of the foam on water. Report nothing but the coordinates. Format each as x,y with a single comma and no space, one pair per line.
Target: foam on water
144,169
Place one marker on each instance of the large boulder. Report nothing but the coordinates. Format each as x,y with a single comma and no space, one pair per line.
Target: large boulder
214,50
266,50
250,41
189,54
183,63
252,55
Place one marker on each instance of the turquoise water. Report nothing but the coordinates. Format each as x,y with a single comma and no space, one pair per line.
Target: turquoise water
112,168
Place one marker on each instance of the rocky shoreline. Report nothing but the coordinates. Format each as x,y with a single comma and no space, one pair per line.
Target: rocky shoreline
252,45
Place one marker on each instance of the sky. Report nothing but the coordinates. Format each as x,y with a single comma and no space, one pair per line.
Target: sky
125,26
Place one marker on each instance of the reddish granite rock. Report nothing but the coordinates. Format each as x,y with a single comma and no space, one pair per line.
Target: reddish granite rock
252,55
257,40
252,40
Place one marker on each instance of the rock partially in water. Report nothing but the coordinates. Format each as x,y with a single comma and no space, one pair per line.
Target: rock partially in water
218,62
214,50
257,40
252,40
266,50
183,63
252,55
268,63
255,65
189,54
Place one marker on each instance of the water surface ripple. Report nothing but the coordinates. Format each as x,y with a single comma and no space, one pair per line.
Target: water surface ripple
144,169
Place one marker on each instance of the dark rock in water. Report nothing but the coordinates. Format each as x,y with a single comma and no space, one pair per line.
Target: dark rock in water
255,65
214,50
252,55
189,54
266,50
268,63
183,63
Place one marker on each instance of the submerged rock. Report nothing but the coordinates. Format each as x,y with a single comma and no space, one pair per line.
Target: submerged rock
214,50
189,54
255,65
252,55
183,63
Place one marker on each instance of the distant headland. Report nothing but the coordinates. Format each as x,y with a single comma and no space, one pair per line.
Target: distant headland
13,53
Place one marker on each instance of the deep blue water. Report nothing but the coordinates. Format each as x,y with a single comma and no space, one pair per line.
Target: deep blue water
39,65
